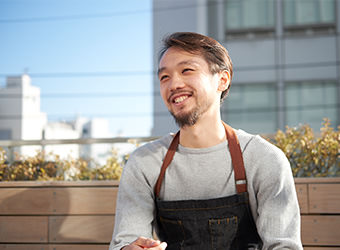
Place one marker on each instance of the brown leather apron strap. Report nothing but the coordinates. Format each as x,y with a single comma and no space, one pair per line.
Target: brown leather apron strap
237,159
166,162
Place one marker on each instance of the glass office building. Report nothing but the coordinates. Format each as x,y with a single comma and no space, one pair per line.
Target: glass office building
286,56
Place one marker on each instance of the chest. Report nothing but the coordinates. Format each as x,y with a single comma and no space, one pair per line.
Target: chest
199,176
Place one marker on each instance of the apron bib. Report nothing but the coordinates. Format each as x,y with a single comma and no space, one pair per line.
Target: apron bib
216,224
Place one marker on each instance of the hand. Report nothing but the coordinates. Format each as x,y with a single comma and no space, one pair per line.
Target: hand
146,243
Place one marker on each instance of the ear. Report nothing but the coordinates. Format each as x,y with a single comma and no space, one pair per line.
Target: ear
224,80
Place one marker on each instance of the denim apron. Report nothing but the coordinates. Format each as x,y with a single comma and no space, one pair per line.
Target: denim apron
217,224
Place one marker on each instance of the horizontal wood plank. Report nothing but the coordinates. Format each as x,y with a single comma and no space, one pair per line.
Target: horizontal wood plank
24,247
320,230
85,200
80,229
25,201
79,247
313,180
24,229
49,184
321,248
324,198
301,190
53,201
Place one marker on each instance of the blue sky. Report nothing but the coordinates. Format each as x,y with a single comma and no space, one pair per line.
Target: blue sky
89,57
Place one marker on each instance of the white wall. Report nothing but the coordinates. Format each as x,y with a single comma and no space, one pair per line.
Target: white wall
96,128
20,112
61,130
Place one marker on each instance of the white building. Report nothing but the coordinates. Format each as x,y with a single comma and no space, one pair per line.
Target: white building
21,119
20,115
96,128
62,130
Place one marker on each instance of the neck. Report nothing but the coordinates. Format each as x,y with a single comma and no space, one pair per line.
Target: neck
205,133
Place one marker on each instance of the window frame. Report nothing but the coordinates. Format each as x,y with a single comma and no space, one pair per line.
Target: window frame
271,87
260,31
306,28
303,108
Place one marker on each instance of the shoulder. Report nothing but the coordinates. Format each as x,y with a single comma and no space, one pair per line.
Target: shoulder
263,159
147,159
267,167
258,147
152,149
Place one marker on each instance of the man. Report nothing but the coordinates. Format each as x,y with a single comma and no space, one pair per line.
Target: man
209,186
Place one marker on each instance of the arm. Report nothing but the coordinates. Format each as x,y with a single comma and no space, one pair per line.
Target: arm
277,211
135,208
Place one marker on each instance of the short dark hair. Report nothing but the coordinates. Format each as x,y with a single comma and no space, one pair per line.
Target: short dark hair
212,51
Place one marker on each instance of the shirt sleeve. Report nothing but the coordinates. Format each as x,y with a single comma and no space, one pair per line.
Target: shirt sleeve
277,210
135,207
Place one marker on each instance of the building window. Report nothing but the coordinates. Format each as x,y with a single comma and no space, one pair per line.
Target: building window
251,107
245,16
308,14
310,102
5,134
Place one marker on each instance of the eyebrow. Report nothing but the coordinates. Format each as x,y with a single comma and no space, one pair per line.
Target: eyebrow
187,62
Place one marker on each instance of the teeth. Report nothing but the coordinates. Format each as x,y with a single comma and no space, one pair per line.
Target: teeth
180,99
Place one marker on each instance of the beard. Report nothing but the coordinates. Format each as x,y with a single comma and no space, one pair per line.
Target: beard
188,119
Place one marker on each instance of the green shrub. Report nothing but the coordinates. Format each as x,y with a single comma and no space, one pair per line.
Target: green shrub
311,155
37,168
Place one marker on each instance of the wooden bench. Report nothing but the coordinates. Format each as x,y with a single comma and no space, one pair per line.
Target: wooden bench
80,215
57,215
319,200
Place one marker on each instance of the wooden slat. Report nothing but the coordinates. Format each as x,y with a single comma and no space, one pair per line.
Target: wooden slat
324,198
23,229
311,180
80,229
51,247
320,230
48,184
45,201
79,247
96,200
301,190
25,201
321,248
24,247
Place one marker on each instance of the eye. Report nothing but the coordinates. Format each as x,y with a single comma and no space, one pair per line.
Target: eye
163,77
187,70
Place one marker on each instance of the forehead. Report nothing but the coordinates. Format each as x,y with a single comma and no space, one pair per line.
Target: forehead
175,56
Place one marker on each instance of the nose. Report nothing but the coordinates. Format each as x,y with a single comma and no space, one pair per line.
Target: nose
176,82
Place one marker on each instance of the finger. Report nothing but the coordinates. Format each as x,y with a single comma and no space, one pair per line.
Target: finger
146,242
161,246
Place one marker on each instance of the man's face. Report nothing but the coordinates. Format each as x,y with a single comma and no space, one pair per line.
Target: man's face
188,88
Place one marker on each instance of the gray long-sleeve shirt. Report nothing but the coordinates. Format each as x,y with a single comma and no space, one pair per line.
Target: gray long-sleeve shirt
207,173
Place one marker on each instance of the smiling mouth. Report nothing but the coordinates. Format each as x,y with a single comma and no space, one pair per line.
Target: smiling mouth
180,99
